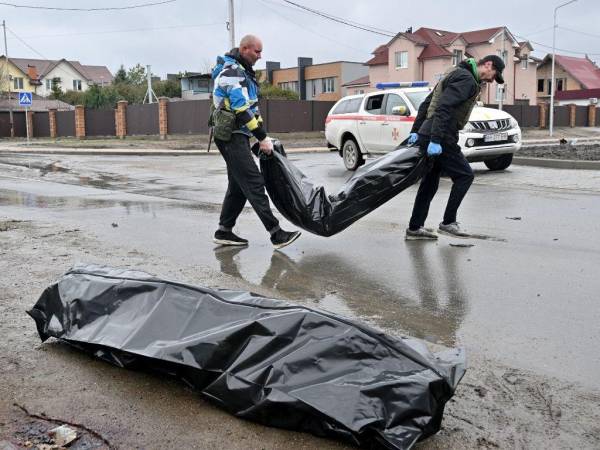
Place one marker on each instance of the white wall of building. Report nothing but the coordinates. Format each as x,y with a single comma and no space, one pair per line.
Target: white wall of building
67,74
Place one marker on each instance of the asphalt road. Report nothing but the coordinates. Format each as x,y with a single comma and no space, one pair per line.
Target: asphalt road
525,295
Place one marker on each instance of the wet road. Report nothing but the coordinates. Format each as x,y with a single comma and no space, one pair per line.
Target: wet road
528,297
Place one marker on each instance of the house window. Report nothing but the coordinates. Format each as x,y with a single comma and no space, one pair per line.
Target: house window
48,84
500,92
289,86
314,88
328,84
540,86
457,56
560,84
525,62
76,85
549,87
401,60
18,83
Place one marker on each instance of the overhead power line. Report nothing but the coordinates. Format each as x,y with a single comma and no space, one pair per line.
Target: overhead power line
107,8
35,51
304,27
579,32
343,21
556,48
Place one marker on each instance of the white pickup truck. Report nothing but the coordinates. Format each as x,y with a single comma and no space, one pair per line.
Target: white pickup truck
379,121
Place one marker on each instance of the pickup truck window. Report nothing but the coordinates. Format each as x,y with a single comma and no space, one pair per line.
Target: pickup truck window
393,100
416,98
374,104
341,107
348,106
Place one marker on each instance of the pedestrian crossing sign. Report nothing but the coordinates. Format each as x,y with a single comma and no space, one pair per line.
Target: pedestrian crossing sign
25,99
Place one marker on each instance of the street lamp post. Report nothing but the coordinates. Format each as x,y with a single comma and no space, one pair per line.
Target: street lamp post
553,81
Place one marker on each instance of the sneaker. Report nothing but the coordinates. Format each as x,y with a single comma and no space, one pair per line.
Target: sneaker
228,238
453,229
282,238
420,234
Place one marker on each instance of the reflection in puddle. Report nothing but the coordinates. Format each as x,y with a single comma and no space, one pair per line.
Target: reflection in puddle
331,282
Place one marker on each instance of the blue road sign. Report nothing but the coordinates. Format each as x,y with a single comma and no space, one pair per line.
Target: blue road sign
25,99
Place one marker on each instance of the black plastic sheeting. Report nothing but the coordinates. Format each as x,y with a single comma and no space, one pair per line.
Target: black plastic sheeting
307,205
261,359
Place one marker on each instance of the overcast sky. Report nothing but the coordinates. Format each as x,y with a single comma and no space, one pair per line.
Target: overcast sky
188,34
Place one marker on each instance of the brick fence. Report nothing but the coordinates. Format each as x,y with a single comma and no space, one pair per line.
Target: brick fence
191,117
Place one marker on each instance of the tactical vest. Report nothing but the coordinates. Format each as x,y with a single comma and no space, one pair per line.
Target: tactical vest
462,112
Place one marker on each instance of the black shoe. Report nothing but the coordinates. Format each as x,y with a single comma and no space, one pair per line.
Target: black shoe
282,238
228,238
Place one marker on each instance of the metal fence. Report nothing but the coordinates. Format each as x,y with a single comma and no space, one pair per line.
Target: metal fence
188,117
100,122
280,116
65,123
526,115
41,124
142,119
581,116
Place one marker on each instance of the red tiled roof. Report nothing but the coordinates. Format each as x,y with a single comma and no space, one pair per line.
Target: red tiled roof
358,82
440,37
582,69
577,94
381,56
435,41
434,51
479,36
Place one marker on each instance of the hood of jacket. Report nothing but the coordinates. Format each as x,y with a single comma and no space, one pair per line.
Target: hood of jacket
231,58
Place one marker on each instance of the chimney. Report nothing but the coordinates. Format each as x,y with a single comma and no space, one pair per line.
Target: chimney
32,72
302,63
409,30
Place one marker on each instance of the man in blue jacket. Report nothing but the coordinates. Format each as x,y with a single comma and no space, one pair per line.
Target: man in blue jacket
236,90
441,116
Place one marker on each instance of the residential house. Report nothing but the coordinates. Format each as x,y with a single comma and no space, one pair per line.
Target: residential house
196,86
571,73
37,75
316,81
427,53
358,86
14,78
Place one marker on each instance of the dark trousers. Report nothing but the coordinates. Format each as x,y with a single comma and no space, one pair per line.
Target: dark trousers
245,183
452,163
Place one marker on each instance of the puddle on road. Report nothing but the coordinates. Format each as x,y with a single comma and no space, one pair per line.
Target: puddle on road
331,282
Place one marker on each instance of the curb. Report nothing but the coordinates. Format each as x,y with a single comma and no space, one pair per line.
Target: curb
141,152
556,163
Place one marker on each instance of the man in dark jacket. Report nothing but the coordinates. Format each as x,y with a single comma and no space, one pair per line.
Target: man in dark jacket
236,91
441,116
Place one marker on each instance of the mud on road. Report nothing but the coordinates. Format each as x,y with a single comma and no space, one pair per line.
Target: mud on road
44,384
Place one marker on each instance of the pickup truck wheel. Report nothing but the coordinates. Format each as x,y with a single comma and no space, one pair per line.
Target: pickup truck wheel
353,159
499,163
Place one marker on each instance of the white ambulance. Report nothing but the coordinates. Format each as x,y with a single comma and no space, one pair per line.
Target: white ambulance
379,121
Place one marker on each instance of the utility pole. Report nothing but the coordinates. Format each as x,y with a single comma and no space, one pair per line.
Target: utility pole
149,92
10,108
231,25
502,87
552,81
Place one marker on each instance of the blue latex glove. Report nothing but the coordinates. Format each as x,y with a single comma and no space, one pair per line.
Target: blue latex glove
412,138
434,149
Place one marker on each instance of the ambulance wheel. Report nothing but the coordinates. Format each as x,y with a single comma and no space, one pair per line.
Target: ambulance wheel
499,163
353,159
